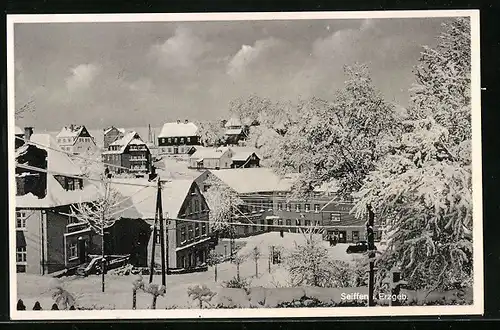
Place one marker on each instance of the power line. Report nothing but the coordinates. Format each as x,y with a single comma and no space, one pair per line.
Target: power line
37,169
71,154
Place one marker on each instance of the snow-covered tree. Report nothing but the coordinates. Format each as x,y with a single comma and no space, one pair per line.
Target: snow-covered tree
255,256
222,201
202,293
423,189
26,107
155,290
211,133
213,260
90,162
310,263
100,215
341,139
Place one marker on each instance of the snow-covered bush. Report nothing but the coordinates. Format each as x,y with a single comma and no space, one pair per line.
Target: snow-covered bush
237,283
201,293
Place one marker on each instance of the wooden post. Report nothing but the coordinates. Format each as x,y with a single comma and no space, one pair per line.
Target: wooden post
151,269
395,286
371,254
162,234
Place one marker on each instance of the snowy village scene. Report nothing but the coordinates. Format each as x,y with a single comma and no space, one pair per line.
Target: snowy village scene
260,165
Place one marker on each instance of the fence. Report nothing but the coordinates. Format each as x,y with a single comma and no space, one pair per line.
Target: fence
38,307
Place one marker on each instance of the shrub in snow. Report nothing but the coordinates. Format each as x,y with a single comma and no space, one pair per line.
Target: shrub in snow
201,293
232,298
237,283
62,297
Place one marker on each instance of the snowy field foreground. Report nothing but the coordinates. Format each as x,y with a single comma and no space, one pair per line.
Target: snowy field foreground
268,289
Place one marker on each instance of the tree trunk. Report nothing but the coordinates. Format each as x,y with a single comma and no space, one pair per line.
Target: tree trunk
153,306
256,268
201,304
134,298
238,272
215,272
103,263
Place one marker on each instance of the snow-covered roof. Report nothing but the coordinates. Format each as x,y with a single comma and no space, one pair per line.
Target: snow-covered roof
58,196
129,138
243,155
233,122
18,131
210,153
70,132
178,130
234,131
253,180
142,201
107,130
58,160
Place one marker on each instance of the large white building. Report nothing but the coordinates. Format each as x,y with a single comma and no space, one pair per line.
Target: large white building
76,140
178,138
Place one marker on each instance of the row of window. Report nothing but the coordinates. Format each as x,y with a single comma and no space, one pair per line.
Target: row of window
21,217
137,148
139,157
192,231
177,140
69,183
175,150
307,207
195,206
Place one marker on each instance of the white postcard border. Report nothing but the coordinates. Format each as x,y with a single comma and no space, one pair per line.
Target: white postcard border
478,294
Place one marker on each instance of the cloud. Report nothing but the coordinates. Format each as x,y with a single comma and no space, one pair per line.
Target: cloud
182,50
81,77
249,54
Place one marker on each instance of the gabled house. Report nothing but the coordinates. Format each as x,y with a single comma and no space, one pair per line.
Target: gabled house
130,152
235,131
178,138
211,158
111,134
47,239
245,159
186,215
76,139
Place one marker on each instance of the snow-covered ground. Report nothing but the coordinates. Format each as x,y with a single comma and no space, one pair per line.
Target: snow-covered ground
118,293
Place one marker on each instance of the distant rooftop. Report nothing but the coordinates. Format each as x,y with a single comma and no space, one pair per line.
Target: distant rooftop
178,129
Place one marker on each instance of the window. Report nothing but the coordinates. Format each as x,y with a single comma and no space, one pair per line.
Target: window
169,150
297,207
288,207
307,223
158,237
169,140
197,230
72,220
21,254
355,236
21,220
297,222
196,205
188,139
73,251
190,232
183,234
288,222
307,207
279,206
163,140
203,228
316,208
335,217
182,140
175,140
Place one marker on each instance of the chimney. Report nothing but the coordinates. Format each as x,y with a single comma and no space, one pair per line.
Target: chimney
186,121
178,121
27,133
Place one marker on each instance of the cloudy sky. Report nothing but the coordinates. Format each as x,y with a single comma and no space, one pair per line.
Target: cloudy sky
134,74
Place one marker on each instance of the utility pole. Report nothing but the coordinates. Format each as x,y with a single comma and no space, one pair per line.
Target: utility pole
152,267
167,223
231,234
371,254
162,233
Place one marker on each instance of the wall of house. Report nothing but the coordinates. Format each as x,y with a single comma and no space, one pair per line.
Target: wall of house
111,137
130,236
145,153
84,144
114,159
33,238
183,146
56,247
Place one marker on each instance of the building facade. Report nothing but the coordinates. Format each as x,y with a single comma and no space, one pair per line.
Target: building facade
186,221
178,138
211,158
48,239
76,139
245,159
111,134
235,131
129,152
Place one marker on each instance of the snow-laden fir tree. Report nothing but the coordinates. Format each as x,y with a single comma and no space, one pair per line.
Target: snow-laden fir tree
423,188
100,215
